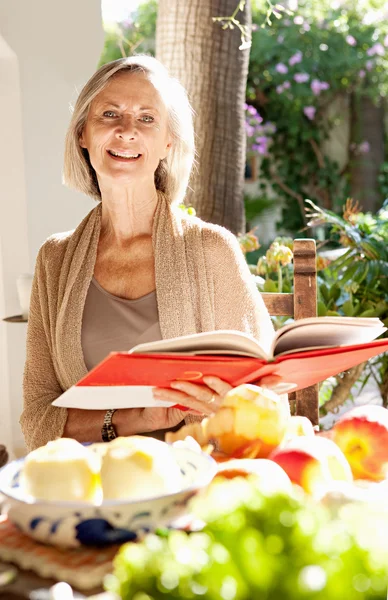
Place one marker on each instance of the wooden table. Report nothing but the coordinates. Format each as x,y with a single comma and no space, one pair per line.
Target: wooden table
29,586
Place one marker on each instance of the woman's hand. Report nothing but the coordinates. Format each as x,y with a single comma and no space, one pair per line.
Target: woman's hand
207,399
203,398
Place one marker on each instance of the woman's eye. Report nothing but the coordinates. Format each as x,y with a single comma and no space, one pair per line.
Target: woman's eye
147,118
109,113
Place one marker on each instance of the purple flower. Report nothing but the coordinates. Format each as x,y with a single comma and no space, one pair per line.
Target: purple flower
279,89
376,49
301,77
361,74
270,127
369,65
286,22
351,40
252,111
262,145
280,39
299,20
364,147
245,106
295,58
306,26
318,86
309,112
249,130
286,85
281,68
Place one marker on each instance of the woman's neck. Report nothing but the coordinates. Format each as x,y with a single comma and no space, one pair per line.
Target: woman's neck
127,214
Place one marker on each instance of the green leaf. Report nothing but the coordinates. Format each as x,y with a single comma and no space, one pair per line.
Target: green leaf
270,286
335,292
321,309
348,308
370,312
325,292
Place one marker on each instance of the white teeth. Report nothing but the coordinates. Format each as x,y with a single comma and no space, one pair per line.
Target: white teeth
123,155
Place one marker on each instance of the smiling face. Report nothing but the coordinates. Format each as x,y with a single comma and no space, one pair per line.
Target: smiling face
126,131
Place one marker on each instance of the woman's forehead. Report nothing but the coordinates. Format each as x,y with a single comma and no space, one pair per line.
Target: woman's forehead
130,88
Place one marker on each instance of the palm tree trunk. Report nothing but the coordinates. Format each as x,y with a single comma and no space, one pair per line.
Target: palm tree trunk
208,62
367,125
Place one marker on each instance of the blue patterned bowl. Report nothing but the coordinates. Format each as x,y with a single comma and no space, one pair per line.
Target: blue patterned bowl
71,524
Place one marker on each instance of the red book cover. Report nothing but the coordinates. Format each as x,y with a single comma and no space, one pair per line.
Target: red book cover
132,372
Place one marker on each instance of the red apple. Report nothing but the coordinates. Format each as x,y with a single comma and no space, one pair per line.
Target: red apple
313,463
362,435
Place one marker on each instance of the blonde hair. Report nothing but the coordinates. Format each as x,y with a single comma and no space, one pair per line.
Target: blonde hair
173,173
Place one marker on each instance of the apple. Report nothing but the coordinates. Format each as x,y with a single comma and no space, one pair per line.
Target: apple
251,422
362,435
63,469
270,477
299,426
313,463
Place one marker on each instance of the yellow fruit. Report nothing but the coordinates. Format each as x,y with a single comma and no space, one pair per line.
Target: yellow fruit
138,467
62,470
260,419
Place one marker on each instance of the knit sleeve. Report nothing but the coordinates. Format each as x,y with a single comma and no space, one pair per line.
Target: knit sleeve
237,302
40,422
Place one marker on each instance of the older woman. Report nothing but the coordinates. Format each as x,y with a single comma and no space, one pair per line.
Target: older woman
137,268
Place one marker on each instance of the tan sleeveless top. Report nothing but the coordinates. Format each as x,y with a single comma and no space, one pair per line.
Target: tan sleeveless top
111,323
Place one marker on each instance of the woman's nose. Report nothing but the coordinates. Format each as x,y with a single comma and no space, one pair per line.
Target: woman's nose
126,129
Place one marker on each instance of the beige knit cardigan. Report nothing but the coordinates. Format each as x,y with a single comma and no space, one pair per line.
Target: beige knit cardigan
202,283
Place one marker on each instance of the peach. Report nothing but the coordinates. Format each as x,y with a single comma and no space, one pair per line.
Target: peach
313,463
362,435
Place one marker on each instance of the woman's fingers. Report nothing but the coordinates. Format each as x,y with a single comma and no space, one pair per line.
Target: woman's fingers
269,381
200,392
275,383
183,399
218,385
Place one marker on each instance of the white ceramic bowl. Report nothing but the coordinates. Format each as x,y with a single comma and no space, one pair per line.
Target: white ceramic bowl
71,524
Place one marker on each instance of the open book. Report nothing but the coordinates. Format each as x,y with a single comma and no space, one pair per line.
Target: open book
302,353
299,336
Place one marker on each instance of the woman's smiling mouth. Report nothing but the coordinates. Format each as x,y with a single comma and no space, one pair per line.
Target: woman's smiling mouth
123,155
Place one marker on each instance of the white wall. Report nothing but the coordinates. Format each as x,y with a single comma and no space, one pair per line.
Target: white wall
47,52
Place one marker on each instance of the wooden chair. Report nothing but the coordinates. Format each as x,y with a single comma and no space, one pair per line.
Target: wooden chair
301,304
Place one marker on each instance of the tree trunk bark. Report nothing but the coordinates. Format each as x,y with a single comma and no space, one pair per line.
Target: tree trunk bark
366,125
208,62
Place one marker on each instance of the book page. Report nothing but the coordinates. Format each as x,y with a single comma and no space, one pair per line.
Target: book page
220,342
325,332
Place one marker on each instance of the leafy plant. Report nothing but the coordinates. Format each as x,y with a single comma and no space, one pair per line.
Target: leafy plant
136,34
259,546
356,283
298,66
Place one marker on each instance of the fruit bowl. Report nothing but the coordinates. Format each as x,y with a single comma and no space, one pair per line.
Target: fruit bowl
72,524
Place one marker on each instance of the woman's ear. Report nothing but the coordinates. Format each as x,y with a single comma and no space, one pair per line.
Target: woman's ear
81,141
167,151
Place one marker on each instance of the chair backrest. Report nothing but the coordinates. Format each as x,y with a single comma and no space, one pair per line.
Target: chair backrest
299,305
